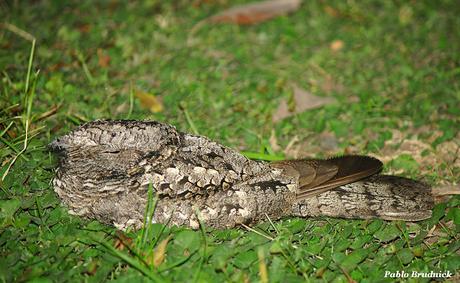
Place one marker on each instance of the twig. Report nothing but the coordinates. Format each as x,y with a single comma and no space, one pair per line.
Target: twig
14,29
271,222
6,129
257,232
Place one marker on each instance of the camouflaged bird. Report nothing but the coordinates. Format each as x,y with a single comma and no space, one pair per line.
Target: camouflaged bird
106,168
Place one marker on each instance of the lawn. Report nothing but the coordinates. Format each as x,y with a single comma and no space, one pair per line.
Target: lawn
391,67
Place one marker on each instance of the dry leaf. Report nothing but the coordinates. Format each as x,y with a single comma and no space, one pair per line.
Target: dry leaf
336,45
303,100
412,147
329,85
455,277
103,60
84,28
332,11
438,231
149,101
254,13
443,193
122,241
328,142
421,150
449,152
6,161
92,267
399,145
448,189
12,133
291,149
159,253
274,142
57,67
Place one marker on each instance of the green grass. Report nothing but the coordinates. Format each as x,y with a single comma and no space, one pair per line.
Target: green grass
397,78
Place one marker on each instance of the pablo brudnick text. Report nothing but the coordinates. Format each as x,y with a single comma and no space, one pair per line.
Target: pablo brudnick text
418,274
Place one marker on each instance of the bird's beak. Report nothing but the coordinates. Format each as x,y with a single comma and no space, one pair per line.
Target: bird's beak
59,146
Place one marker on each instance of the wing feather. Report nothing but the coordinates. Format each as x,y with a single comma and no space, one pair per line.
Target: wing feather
320,175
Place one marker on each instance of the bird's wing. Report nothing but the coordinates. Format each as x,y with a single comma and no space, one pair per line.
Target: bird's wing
317,175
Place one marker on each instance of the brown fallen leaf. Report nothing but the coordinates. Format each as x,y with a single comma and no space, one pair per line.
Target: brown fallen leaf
159,254
417,142
6,161
92,267
122,108
332,11
84,28
325,81
449,189
328,142
292,149
149,101
56,67
449,151
455,277
274,142
307,147
303,100
103,60
12,133
336,45
122,241
442,193
257,12
436,232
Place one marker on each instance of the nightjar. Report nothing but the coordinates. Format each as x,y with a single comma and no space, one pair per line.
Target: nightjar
106,168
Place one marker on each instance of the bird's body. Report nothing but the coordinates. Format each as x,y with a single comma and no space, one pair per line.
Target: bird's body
107,167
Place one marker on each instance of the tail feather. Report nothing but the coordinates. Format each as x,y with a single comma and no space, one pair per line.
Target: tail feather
379,196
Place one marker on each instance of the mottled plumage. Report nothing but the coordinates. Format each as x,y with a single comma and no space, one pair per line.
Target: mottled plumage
106,167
